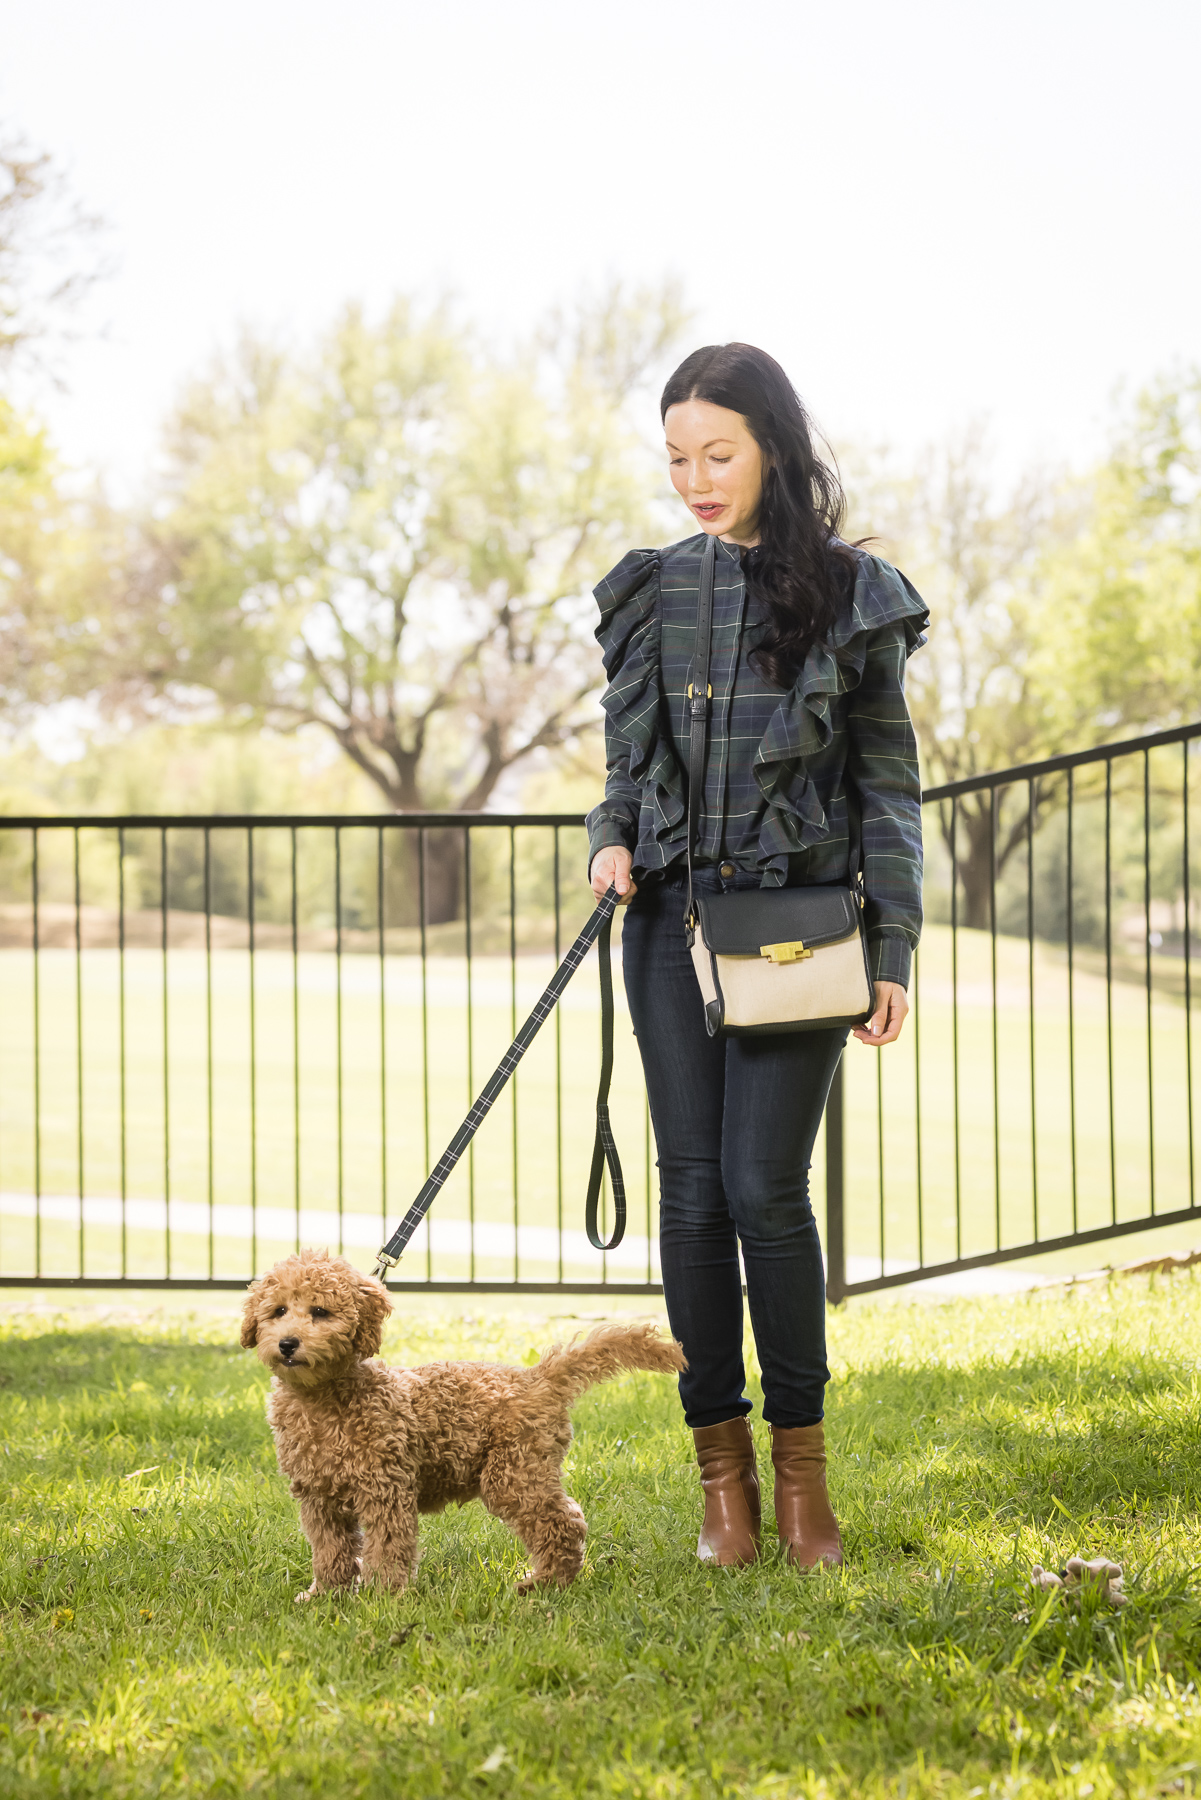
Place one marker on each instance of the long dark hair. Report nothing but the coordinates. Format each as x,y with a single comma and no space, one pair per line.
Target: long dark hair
799,567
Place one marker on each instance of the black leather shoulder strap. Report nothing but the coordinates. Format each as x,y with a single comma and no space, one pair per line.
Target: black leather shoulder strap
700,701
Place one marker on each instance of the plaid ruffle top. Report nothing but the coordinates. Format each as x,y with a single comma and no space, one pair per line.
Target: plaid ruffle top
810,785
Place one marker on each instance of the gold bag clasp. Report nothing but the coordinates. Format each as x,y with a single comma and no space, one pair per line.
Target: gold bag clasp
785,953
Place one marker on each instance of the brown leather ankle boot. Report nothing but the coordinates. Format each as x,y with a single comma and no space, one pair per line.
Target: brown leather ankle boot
726,1454
804,1517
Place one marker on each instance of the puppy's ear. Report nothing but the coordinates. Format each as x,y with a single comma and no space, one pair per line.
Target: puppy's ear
373,1303
250,1324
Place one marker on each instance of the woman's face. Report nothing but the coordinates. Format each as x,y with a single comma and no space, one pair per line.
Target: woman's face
716,468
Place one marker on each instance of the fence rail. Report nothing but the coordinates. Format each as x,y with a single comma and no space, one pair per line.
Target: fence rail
228,1035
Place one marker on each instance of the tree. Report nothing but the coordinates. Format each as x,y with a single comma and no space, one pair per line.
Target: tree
393,536
1063,615
70,608
67,563
47,251
973,693
1120,646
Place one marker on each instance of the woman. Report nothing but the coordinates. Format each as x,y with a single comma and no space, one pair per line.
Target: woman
811,777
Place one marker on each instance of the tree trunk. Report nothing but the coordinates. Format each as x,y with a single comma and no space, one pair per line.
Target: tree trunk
444,859
976,859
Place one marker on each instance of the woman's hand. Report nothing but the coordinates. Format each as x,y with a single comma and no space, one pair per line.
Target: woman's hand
885,1023
611,868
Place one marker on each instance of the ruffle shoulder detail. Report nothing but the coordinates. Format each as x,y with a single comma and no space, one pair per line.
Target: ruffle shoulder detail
882,599
629,637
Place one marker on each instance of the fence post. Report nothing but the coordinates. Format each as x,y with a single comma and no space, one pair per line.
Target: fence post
836,1253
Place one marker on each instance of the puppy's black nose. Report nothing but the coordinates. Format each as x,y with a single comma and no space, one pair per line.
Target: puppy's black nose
288,1345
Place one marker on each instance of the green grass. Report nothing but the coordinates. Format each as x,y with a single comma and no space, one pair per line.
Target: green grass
149,1643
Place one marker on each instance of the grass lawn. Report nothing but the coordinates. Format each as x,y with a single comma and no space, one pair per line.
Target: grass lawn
149,1643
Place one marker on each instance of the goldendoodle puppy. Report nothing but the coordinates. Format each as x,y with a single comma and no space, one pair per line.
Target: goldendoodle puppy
368,1448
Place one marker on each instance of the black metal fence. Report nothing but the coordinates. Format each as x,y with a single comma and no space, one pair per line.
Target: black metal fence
224,1037
1043,1097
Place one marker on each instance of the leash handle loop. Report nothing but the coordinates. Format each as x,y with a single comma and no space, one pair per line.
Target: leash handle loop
597,931
604,1149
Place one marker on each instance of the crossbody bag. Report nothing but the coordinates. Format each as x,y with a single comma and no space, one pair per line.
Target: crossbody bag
766,959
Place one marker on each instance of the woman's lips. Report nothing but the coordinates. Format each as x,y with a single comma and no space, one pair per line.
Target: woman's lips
708,511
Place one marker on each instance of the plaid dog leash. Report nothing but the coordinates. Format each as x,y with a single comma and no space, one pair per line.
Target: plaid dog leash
597,931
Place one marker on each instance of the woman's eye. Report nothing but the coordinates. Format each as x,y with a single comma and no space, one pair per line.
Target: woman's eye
319,1312
279,1312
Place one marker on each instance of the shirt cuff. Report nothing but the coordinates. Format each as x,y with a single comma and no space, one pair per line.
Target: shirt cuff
605,833
890,958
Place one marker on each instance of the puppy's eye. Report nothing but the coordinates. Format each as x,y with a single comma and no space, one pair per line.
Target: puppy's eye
279,1312
320,1312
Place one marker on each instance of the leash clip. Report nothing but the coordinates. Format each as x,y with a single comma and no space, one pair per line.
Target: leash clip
383,1263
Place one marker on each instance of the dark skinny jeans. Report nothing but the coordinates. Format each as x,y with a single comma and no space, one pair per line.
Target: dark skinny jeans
735,1121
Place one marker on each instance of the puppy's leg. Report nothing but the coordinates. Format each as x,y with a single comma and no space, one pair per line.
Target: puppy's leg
389,1538
336,1541
527,1493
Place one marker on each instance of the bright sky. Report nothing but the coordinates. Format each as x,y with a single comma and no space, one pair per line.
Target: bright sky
927,211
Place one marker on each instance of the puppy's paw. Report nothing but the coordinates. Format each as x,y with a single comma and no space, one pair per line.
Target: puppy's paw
308,1593
530,1584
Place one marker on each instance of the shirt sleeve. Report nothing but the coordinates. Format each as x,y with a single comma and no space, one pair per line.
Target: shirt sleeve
615,820
882,763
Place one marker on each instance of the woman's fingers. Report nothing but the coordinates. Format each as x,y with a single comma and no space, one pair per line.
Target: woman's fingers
884,1026
611,868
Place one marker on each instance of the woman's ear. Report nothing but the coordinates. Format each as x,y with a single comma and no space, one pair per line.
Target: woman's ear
371,1297
250,1323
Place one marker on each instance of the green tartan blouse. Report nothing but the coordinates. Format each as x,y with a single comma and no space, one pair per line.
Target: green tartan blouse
817,784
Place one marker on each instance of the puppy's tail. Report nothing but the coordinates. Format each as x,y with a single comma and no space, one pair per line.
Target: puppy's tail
609,1350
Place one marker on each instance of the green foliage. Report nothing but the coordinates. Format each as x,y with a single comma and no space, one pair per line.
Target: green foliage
65,581
187,769
1120,631
150,1644
1065,613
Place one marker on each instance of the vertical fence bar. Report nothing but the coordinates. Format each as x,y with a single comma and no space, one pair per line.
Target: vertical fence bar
558,1063
37,1058
467,911
163,901
955,1021
996,1048
917,1108
121,1045
1147,965
1071,935
338,1018
1030,806
208,1024
836,1247
80,1257
383,1034
513,1028
425,1035
1188,983
880,1150
1113,1148
295,913
254,1111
